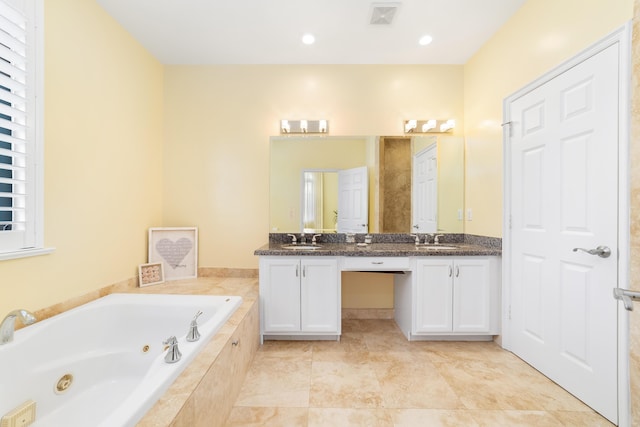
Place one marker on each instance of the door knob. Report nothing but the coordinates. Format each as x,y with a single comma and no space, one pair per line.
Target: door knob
601,251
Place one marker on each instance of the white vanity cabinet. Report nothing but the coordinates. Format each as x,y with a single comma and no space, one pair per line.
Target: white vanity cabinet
450,296
299,296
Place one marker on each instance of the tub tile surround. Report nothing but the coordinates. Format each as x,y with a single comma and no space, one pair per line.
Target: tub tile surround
373,376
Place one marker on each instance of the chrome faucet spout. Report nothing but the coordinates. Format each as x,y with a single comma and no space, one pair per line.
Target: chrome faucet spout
8,325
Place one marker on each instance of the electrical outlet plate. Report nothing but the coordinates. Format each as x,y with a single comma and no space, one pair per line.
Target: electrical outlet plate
22,416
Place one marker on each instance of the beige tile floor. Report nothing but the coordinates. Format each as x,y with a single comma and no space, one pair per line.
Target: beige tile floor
375,377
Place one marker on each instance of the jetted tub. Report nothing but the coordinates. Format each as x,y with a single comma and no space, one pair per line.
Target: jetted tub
102,363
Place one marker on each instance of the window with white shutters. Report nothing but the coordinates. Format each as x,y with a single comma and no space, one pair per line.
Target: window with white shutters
21,149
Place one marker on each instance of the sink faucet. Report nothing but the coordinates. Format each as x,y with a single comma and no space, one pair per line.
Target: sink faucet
9,324
303,239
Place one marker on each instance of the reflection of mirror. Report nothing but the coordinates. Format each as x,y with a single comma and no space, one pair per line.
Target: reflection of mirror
389,160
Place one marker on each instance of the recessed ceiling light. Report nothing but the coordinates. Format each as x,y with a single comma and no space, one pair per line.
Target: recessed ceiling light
308,39
425,40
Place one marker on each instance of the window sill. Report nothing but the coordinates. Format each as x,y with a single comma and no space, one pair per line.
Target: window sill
25,253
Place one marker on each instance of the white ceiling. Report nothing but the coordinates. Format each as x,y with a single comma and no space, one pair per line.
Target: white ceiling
270,31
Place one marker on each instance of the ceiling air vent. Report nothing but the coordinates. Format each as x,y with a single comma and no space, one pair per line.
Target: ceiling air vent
383,13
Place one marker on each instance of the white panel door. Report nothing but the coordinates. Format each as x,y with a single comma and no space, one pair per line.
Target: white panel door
353,200
564,171
425,190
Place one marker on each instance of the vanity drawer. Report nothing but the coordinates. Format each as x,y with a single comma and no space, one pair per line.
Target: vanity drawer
376,264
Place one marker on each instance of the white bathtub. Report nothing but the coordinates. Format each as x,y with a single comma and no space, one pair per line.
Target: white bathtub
102,344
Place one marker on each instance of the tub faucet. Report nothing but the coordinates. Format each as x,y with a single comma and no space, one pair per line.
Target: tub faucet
194,334
173,353
9,324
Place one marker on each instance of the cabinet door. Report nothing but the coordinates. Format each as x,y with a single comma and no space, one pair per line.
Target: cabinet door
471,295
320,296
280,294
434,284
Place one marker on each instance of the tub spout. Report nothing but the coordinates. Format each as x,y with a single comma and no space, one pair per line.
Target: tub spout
173,353
8,325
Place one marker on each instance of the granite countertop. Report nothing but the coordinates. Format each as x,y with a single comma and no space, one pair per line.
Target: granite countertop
380,249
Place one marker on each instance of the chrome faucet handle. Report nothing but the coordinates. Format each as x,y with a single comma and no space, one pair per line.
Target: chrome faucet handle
436,239
417,240
173,352
194,334
293,238
313,239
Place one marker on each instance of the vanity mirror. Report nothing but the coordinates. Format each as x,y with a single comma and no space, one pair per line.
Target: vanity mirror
304,183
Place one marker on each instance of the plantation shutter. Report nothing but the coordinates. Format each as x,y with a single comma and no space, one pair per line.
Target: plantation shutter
17,127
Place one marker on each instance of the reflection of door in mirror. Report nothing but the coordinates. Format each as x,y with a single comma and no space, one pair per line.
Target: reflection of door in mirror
425,190
353,200
319,205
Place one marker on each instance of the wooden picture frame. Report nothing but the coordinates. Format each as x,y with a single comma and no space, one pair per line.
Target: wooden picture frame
150,274
177,249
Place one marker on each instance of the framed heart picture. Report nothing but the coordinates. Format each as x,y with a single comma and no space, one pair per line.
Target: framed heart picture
177,249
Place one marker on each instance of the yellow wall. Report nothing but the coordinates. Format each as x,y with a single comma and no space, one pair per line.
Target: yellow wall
540,36
103,159
219,120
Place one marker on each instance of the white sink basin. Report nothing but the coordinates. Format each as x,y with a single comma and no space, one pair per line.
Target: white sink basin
301,247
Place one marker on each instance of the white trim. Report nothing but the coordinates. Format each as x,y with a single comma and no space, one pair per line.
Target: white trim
30,241
39,129
25,253
624,237
622,36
